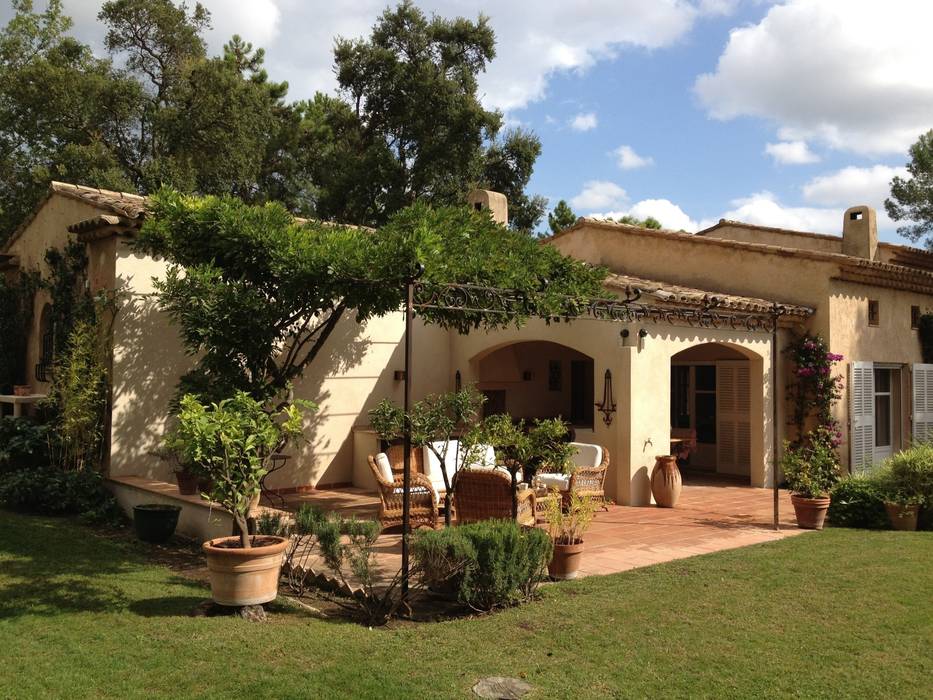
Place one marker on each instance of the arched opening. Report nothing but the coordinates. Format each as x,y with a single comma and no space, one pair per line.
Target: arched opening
538,379
711,412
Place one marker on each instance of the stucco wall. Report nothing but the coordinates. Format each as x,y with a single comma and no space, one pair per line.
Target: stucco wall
789,239
351,375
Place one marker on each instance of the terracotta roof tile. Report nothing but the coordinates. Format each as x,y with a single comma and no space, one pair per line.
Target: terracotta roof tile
125,204
676,294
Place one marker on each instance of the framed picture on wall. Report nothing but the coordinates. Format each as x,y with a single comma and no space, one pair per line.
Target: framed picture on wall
554,375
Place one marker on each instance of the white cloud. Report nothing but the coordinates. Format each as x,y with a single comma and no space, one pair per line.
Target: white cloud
627,159
852,186
585,121
531,46
791,153
852,75
669,214
599,194
764,209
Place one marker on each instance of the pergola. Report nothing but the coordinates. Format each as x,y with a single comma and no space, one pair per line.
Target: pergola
469,299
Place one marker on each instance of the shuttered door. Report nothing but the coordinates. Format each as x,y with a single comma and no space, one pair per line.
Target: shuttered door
733,406
922,407
861,416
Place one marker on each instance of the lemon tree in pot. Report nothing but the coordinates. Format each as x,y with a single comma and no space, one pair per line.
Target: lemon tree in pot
230,441
811,468
566,525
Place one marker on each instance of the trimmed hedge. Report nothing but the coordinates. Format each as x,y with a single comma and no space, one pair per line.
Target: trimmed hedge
858,501
51,491
24,444
485,565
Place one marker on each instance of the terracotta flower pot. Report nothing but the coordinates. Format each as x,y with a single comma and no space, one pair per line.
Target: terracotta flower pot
566,561
244,576
22,389
903,517
188,483
811,512
666,483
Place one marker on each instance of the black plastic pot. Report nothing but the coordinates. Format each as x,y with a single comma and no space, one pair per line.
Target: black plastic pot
155,522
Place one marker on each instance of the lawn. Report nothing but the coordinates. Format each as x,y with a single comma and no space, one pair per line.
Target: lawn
832,614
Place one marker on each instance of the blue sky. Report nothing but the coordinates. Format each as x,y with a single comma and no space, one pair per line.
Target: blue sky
782,114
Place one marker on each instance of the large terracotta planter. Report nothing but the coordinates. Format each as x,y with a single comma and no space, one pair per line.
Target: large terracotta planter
566,560
903,517
666,483
244,576
810,512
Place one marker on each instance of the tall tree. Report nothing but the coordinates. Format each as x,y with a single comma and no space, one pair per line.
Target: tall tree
561,217
911,199
421,131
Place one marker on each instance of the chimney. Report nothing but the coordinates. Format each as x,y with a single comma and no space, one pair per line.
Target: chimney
860,233
495,202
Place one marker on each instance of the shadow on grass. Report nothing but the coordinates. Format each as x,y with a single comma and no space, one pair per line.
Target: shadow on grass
167,606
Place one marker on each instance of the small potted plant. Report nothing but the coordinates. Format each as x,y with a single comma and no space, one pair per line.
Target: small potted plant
903,510
566,527
810,469
906,482
231,442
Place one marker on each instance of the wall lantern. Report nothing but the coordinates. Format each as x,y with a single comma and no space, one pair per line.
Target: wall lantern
458,381
607,406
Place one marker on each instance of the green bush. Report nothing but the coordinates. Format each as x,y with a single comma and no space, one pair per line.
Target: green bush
487,565
857,501
51,491
910,475
24,444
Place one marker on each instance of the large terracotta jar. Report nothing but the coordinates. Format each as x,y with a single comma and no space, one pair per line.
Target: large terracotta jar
244,576
666,483
810,512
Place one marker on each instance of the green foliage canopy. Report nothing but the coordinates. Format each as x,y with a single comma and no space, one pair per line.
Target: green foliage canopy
562,217
911,198
257,293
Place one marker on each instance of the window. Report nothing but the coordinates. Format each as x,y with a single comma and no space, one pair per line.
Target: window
873,313
680,396
914,317
883,408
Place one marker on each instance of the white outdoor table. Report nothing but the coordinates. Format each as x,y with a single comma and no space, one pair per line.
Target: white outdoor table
20,401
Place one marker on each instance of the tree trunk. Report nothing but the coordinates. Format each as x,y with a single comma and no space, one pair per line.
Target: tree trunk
447,502
243,526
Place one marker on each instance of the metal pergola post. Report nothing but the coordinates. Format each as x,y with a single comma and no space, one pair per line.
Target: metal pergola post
776,312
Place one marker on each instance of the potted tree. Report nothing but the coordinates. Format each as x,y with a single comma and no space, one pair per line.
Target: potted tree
230,442
566,526
907,484
810,469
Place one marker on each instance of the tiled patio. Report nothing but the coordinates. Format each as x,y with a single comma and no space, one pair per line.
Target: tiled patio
710,516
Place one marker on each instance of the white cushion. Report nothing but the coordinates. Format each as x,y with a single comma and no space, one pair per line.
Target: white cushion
432,465
561,482
484,457
587,455
385,467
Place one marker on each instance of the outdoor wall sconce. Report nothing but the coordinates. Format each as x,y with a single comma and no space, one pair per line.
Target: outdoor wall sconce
399,375
458,381
607,406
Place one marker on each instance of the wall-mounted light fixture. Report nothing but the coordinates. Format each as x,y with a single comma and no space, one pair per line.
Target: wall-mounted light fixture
399,375
458,381
607,406
642,334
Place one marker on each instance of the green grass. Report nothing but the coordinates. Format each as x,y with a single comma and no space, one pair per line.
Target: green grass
842,613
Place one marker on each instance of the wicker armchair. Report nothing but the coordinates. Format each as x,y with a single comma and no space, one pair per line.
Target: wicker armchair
422,498
484,494
396,455
587,481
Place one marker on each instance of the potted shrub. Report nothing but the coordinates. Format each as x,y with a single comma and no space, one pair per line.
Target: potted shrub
566,527
811,469
230,443
907,485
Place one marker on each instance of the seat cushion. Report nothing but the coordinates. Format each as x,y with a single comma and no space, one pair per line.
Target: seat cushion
432,465
587,455
561,482
484,457
385,467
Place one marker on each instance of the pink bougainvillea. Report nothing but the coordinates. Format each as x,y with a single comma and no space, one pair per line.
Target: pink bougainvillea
816,388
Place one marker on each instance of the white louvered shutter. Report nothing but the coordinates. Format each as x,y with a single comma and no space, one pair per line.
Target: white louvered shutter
861,416
733,424
922,408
